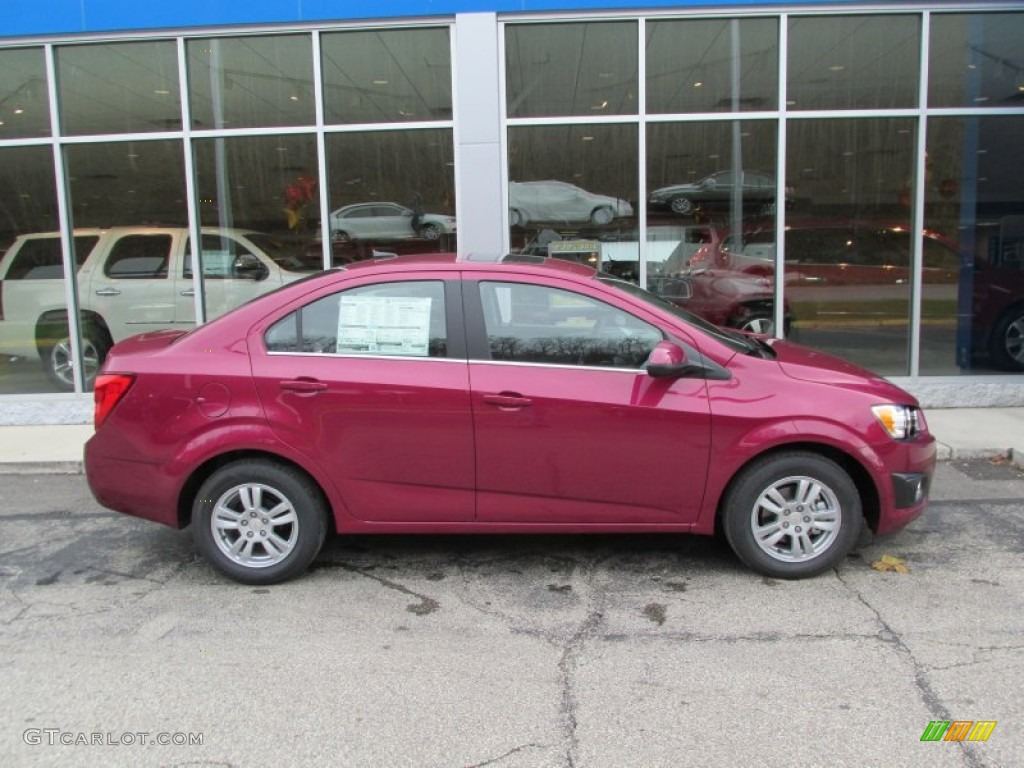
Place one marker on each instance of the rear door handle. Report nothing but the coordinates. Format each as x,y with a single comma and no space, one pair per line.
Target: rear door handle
108,292
303,386
508,400
189,292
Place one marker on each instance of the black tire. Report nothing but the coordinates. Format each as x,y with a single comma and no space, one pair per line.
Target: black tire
790,545
1006,347
681,205
602,215
55,351
341,237
758,322
258,504
516,218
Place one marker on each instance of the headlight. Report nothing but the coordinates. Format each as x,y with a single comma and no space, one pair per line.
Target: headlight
900,421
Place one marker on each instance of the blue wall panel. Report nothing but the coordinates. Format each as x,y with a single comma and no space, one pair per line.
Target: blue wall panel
47,17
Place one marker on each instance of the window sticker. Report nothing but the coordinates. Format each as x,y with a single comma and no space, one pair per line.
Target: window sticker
384,325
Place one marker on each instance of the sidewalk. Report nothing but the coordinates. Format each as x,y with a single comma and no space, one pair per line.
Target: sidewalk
960,432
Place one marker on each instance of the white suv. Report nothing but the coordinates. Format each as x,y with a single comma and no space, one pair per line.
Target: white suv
130,280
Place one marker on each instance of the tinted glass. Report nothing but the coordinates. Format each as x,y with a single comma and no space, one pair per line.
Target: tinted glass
853,62
848,257
536,324
387,76
40,258
571,192
404,319
974,60
251,82
119,88
585,68
712,65
137,257
391,191
24,98
974,256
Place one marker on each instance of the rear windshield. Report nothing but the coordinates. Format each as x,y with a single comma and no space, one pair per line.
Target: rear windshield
39,258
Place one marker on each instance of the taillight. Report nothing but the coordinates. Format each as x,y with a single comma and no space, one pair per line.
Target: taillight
109,389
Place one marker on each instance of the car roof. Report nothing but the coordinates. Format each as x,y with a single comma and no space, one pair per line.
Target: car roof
477,262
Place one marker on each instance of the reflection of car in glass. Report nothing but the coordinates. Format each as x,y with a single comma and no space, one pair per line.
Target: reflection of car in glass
716,190
428,394
558,201
386,221
130,279
724,297
998,318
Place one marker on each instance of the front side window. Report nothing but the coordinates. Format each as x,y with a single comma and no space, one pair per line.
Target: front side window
538,324
404,319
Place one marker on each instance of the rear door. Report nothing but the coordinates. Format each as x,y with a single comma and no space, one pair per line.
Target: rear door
371,382
132,286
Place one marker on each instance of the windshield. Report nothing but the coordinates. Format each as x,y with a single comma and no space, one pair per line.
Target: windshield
738,341
291,257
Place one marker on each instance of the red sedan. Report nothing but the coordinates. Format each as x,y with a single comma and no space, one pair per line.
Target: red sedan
429,394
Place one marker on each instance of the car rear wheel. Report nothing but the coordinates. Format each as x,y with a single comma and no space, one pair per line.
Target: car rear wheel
1007,346
516,218
340,237
681,205
259,522
603,215
792,515
59,362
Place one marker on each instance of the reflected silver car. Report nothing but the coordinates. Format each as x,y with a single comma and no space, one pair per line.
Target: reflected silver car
386,221
559,201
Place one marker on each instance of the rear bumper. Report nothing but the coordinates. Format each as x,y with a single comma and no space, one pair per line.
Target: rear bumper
137,488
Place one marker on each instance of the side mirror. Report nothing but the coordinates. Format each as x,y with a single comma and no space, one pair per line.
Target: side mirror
248,267
667,359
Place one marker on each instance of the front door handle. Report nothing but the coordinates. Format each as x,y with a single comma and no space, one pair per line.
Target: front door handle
508,400
189,292
303,386
108,292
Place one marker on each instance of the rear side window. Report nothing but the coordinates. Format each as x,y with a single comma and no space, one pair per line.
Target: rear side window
39,258
139,257
405,319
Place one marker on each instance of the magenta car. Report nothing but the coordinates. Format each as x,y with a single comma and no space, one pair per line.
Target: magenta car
430,395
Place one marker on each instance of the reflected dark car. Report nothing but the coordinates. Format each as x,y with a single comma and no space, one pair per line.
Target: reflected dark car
717,190
997,321
433,395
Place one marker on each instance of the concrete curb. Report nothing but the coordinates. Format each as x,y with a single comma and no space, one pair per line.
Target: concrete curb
42,468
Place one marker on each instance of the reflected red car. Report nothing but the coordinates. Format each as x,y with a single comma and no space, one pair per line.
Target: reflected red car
430,395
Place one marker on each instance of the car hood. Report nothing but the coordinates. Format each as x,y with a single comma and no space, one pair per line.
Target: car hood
806,364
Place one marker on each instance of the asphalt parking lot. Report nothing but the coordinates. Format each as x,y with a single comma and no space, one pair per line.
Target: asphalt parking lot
509,651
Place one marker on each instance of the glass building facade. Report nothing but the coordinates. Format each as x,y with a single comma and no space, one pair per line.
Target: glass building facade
846,179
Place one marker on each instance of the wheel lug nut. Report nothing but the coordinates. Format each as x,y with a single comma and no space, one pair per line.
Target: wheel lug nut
263,533
252,514
245,522
785,525
799,529
249,534
807,519
264,521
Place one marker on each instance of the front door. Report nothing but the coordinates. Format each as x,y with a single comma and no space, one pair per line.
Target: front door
569,427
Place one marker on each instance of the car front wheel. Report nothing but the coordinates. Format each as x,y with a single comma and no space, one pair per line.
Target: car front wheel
1007,345
259,522
792,515
430,232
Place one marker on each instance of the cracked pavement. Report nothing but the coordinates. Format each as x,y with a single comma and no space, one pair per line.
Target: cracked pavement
506,651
